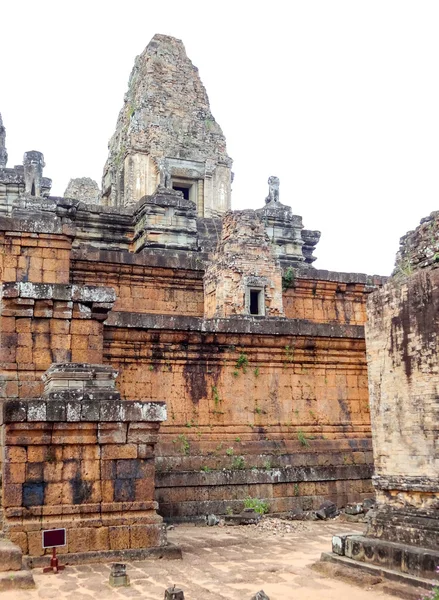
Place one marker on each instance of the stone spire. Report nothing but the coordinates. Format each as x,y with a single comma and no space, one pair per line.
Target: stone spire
166,135
3,152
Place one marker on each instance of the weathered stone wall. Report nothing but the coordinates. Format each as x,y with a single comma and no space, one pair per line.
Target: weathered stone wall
283,408
164,282
403,380
86,466
402,533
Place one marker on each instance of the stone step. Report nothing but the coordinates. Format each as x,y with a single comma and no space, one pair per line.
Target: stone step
411,587
13,574
16,580
10,556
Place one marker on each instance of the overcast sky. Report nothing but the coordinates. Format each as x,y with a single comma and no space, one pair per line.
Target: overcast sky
338,98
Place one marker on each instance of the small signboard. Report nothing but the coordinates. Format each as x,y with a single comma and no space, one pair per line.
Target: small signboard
53,538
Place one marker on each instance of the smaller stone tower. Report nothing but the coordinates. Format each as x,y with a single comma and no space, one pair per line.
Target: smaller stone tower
244,276
3,152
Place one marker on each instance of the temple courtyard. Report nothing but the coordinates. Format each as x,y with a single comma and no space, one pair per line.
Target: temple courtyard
221,562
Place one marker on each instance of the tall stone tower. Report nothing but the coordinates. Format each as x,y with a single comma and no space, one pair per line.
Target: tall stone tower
166,135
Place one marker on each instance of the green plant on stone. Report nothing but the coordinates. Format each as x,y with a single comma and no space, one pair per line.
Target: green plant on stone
256,372
302,438
260,506
229,510
206,469
238,462
237,439
242,362
215,395
296,489
434,593
230,451
288,279
184,444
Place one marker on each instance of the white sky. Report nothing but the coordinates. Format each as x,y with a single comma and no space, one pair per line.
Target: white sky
338,98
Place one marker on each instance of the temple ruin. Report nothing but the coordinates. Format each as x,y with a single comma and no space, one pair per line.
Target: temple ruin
401,540
162,355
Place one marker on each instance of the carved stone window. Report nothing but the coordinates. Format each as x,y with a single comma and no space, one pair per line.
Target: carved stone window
187,187
255,301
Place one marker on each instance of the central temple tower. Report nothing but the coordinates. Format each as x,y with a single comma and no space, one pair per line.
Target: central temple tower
167,136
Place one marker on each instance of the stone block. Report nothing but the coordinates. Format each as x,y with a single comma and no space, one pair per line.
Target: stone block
14,473
33,494
142,433
124,490
10,556
34,540
12,495
119,537
119,451
108,469
53,493
112,433
145,536
15,454
34,472
14,411
53,471
90,470
145,489
107,488
56,411
20,539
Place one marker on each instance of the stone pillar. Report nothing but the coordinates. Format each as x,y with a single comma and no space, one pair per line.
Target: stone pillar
402,535
79,457
403,361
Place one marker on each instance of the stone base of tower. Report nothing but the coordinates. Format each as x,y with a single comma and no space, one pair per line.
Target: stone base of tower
82,459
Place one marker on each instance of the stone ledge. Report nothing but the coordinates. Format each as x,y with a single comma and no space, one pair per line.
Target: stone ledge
84,408
255,325
82,509
151,257
248,476
170,552
58,291
371,281
406,483
380,571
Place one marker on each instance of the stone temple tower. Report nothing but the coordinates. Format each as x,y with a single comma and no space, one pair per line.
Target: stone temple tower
167,136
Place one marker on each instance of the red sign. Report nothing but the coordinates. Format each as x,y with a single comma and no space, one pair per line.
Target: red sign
52,538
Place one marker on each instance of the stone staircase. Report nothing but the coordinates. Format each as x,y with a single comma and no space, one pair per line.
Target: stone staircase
14,574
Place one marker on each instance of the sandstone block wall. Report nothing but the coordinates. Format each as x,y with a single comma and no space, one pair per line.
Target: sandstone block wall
272,415
403,382
86,466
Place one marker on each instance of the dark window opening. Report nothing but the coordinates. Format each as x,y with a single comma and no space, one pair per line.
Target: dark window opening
254,302
182,189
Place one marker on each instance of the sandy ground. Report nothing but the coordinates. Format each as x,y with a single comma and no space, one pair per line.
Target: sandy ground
218,563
